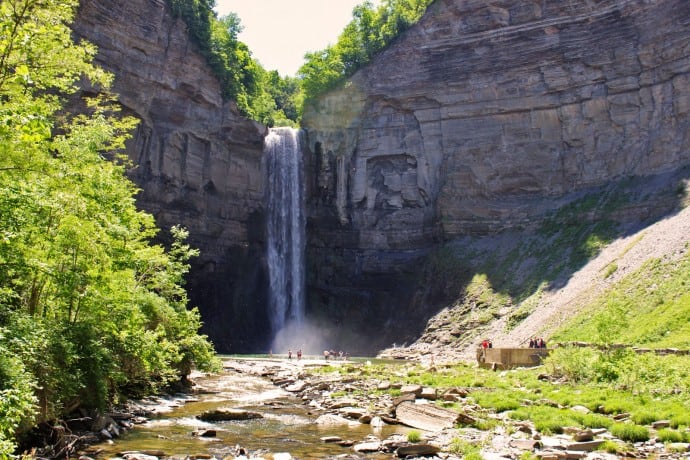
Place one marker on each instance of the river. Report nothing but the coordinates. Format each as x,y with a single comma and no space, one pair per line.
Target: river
288,425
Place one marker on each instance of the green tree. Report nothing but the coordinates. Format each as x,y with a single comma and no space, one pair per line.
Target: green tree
90,309
370,31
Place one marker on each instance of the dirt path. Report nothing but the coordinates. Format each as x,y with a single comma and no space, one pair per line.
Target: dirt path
668,238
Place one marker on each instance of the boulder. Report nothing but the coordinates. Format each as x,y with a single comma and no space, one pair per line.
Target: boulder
426,416
220,415
332,419
367,447
414,389
417,450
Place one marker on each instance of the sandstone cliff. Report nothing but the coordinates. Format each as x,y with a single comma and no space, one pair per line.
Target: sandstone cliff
198,162
482,118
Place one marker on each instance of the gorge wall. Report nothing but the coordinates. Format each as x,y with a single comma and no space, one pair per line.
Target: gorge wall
481,118
197,161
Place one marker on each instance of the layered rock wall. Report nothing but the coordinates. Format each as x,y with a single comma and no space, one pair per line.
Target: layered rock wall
483,117
197,160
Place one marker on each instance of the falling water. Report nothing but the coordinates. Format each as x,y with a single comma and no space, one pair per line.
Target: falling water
285,228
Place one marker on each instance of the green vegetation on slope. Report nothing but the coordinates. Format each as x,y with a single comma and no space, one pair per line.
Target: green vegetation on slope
90,310
260,95
650,307
510,272
270,98
370,31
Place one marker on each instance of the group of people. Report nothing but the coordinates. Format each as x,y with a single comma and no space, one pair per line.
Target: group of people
299,354
537,343
335,354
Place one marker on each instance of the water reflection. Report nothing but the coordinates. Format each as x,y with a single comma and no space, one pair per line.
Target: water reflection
288,425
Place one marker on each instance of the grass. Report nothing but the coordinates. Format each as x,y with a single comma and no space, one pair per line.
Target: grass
630,432
680,421
468,451
667,435
652,306
414,436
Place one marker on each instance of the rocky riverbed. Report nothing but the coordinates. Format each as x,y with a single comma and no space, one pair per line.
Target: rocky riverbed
284,409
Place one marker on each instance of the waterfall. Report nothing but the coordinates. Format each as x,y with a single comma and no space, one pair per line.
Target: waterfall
285,228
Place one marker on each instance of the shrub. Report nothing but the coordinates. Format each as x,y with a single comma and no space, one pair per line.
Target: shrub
630,432
575,364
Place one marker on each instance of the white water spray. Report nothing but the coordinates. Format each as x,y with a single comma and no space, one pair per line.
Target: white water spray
285,228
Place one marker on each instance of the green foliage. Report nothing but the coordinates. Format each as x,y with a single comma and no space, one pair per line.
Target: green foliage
546,419
575,364
369,32
500,401
89,309
468,450
650,307
681,421
414,436
592,420
260,95
667,435
630,432
612,447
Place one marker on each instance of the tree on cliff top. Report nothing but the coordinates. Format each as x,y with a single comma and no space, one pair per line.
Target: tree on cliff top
370,31
89,308
260,95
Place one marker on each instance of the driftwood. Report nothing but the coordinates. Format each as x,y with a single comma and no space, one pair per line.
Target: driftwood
429,417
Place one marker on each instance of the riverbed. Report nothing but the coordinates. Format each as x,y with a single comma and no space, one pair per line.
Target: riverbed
288,424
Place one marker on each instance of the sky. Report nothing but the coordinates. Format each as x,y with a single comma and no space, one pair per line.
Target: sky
280,32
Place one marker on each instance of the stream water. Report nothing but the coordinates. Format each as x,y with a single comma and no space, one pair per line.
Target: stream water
287,425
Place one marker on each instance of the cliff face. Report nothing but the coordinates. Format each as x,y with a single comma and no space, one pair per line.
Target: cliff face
198,162
482,118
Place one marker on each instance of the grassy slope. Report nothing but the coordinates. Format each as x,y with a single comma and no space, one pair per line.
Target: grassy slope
501,280
650,308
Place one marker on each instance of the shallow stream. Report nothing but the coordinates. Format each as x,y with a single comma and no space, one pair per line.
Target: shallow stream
287,425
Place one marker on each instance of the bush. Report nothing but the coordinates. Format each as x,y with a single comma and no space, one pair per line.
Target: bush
17,400
630,432
575,364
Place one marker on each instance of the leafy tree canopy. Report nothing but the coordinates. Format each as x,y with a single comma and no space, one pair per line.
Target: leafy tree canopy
90,309
260,95
370,31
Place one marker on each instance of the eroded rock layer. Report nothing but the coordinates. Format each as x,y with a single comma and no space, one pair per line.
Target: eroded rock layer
198,162
483,117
